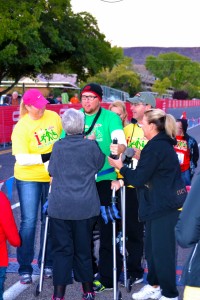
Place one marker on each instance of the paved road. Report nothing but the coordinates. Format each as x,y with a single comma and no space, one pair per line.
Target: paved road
14,290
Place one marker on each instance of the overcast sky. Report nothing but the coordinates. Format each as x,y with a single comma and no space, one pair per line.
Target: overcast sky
134,23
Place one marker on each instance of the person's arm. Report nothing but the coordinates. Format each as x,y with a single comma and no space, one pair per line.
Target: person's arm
195,154
147,165
7,222
188,226
32,159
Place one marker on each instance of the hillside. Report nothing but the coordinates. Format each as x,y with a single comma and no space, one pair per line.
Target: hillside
139,54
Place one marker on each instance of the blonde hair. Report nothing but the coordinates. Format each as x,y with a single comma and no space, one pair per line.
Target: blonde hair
164,122
22,109
120,104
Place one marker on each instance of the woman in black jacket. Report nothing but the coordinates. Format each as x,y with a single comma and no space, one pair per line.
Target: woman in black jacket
188,235
161,193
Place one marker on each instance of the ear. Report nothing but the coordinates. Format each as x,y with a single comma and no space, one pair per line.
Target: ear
153,127
27,107
147,107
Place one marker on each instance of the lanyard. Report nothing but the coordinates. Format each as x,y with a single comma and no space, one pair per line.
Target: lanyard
93,123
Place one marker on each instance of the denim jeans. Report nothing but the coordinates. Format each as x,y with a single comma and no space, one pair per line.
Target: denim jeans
186,177
2,280
31,195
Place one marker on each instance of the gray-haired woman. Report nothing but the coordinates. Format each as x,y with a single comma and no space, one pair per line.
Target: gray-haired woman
161,193
73,205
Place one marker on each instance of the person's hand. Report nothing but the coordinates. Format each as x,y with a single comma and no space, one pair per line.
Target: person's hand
114,149
117,149
137,153
116,163
92,136
115,184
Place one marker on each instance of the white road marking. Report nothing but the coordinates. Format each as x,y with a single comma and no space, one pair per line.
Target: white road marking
17,288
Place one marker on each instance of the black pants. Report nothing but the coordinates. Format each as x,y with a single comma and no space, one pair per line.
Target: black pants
160,249
71,243
106,240
134,234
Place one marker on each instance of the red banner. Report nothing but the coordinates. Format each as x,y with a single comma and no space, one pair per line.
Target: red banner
9,115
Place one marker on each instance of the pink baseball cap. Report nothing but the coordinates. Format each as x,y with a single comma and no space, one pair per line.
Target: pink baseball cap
35,98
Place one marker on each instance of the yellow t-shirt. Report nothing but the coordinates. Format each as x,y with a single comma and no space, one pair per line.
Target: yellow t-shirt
135,139
35,137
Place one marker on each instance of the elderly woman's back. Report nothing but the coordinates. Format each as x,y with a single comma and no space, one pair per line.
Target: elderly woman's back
74,204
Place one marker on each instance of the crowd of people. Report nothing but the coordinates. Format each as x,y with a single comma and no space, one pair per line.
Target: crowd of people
63,98
75,171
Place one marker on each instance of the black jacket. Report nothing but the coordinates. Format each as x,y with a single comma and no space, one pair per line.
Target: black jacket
188,234
157,178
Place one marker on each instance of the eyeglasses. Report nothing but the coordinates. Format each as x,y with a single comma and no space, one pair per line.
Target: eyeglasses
89,98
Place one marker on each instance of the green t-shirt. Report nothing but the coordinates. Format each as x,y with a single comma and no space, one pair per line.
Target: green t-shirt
107,122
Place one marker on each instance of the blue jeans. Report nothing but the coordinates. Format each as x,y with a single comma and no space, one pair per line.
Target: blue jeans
31,195
186,177
2,280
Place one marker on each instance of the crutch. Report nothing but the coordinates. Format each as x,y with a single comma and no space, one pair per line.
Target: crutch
116,293
123,216
39,285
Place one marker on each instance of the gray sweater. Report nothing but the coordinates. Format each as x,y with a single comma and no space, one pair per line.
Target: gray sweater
73,165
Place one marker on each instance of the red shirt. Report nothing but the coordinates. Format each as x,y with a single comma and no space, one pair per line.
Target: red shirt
183,153
8,229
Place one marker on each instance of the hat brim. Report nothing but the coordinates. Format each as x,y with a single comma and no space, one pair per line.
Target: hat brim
135,100
40,103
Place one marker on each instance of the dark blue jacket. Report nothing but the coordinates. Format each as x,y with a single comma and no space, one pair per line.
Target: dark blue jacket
157,178
188,234
194,153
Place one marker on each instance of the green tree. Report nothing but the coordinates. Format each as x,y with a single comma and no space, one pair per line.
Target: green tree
161,86
121,76
182,72
45,36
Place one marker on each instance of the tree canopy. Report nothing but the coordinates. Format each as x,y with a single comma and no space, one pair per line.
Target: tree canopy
176,71
45,36
122,76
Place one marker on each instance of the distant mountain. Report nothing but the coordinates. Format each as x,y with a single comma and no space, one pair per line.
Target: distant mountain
139,54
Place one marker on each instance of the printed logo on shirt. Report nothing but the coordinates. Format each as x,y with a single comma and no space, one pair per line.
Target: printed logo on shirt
138,143
46,136
181,145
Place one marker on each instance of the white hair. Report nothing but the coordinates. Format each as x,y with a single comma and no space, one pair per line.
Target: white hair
73,121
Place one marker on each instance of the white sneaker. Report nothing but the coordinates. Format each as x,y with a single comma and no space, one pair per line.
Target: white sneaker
165,298
147,292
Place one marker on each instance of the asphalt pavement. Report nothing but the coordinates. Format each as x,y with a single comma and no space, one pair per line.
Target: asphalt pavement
15,290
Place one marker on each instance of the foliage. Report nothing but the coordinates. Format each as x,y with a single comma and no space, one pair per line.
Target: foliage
180,95
121,76
161,86
45,36
183,73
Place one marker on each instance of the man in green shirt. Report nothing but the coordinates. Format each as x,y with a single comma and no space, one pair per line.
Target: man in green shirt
103,126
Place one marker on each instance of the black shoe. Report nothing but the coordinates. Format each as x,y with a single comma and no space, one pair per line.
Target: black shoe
134,280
